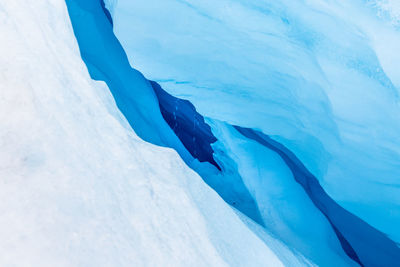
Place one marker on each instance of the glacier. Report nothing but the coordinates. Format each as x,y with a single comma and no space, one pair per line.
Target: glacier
78,186
238,62
287,110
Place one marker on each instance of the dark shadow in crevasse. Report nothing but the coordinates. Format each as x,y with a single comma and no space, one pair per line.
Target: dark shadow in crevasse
187,124
106,12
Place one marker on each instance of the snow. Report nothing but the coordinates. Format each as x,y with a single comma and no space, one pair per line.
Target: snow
321,77
85,181
79,187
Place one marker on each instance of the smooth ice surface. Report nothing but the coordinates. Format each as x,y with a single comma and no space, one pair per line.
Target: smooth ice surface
78,186
321,77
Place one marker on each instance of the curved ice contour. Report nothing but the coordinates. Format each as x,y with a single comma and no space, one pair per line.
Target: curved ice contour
79,187
321,77
360,241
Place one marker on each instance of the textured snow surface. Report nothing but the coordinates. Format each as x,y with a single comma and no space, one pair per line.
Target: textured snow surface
388,9
78,187
321,77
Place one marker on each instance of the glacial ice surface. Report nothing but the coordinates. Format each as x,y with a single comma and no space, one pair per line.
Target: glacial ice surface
308,82
320,77
78,186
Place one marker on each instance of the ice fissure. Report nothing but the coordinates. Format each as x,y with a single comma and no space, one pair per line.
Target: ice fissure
163,119
358,239
107,61
78,186
183,119
187,124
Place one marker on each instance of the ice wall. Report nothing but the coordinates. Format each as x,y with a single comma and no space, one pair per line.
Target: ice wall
78,186
155,115
360,241
320,77
305,73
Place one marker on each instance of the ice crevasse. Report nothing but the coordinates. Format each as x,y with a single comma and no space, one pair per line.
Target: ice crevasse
336,230
287,109
78,186
319,77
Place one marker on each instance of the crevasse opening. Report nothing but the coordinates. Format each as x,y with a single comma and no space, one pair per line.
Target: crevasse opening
163,119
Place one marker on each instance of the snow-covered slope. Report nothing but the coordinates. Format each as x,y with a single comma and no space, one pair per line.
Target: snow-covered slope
78,187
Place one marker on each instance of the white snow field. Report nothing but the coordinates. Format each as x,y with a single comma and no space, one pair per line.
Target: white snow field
78,187
322,77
